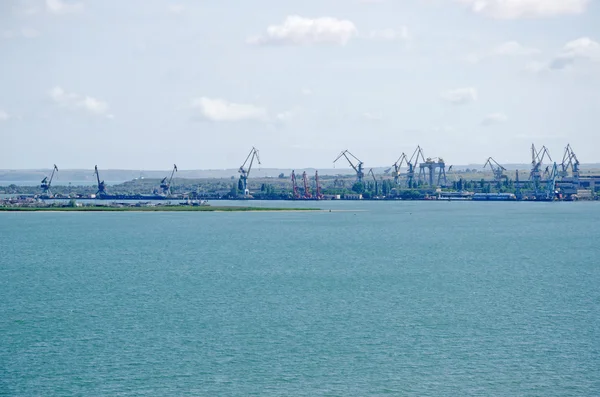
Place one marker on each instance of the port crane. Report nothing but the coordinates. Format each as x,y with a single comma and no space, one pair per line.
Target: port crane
101,185
295,185
319,195
569,161
397,166
307,194
414,160
245,173
374,180
358,167
166,185
496,168
551,182
537,158
46,183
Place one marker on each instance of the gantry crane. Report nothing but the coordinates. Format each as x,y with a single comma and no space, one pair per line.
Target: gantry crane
412,163
358,168
47,183
319,195
165,184
245,173
101,185
374,180
295,185
307,194
496,168
569,161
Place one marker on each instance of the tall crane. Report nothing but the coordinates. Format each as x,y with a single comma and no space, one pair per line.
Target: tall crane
537,158
496,168
569,161
551,182
358,167
245,173
412,163
307,194
397,166
374,180
295,185
101,185
166,185
319,195
46,183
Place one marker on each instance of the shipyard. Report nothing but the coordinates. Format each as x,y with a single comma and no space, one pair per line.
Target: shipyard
412,176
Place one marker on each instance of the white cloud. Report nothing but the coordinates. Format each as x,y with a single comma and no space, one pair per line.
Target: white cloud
460,96
297,30
306,91
390,34
222,110
582,48
513,48
75,101
27,33
63,7
494,118
4,116
506,49
515,9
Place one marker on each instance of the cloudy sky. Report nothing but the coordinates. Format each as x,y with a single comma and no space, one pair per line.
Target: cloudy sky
143,84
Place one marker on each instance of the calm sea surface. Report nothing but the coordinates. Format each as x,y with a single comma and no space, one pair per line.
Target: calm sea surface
396,298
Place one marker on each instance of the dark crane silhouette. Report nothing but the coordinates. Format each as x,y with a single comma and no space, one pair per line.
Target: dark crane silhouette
412,163
496,168
397,166
101,185
358,168
47,183
165,184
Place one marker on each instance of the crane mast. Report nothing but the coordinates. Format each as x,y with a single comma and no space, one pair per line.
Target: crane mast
245,173
47,183
307,194
166,185
295,185
537,158
412,163
101,185
319,194
569,161
358,168
397,166
374,180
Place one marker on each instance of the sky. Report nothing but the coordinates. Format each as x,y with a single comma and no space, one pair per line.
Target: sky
144,84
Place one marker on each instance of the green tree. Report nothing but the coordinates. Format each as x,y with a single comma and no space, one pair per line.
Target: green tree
358,188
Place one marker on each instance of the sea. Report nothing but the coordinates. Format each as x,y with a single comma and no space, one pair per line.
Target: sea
361,299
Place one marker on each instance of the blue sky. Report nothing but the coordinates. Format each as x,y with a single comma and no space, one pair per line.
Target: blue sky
145,84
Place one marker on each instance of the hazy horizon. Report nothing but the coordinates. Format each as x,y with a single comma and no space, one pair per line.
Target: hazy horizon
144,84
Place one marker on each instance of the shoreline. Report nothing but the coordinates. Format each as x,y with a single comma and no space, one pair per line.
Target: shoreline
156,209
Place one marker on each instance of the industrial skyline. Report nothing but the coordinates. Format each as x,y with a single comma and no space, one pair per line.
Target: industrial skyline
198,84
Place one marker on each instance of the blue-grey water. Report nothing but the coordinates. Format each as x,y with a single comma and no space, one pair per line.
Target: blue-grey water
401,298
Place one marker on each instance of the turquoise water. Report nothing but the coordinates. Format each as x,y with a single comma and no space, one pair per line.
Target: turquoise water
403,298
